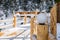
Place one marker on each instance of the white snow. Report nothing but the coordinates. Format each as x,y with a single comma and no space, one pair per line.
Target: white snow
41,18
48,16
12,30
20,10
58,31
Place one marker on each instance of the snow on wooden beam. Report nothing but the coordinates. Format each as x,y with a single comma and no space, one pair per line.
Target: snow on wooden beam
27,12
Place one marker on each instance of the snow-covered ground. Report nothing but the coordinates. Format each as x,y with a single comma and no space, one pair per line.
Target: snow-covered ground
22,36
26,34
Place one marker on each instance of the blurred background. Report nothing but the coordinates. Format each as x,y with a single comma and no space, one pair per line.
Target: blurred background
8,6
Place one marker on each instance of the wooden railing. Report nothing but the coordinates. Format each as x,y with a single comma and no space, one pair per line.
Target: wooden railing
14,19
25,15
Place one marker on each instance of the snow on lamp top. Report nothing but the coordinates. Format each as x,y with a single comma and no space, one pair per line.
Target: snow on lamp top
17,15
42,17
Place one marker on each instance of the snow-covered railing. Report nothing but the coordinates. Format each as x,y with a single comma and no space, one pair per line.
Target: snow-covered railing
26,14
14,21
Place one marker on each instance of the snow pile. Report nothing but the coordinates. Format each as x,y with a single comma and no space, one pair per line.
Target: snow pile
58,31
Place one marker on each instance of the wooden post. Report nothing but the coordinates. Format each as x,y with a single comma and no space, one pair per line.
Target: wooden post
32,28
14,21
33,25
53,20
35,29
42,32
25,17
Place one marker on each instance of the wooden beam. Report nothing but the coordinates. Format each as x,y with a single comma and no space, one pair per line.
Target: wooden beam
32,28
27,12
25,18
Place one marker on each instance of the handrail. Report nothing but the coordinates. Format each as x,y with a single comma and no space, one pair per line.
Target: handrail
14,19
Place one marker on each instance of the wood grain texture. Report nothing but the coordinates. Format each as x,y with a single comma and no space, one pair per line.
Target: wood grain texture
32,28
53,20
42,32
